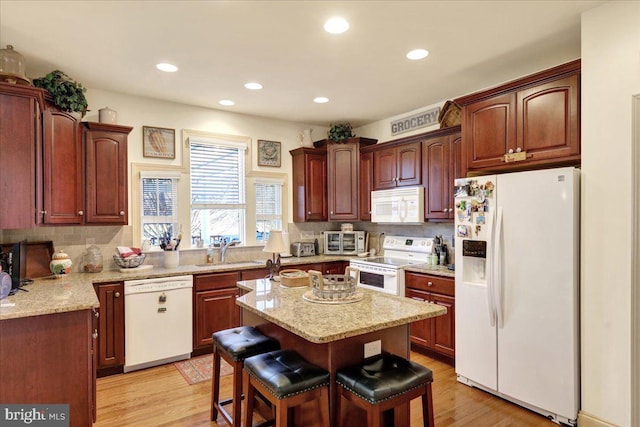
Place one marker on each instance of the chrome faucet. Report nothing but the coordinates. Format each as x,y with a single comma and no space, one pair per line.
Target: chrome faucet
225,246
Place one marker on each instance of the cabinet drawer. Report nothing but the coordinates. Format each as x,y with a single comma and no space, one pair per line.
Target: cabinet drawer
441,285
205,282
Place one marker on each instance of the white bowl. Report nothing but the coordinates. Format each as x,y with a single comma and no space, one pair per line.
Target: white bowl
363,254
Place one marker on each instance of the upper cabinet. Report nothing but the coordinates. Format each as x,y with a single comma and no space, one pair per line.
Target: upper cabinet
309,184
441,163
530,122
397,164
343,176
63,201
20,153
106,188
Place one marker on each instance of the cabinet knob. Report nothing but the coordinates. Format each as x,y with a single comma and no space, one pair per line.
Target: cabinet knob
429,283
117,294
43,212
121,213
331,212
510,150
370,212
95,334
97,314
309,213
518,150
80,213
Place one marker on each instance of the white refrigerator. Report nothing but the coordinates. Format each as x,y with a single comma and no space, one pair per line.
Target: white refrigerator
517,288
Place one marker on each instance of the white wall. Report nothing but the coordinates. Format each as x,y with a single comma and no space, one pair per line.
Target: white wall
610,76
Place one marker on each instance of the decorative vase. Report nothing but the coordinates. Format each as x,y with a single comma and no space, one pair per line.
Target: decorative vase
171,259
107,115
60,263
305,138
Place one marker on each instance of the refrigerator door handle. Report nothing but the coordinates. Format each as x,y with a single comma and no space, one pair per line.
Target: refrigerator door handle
497,274
490,274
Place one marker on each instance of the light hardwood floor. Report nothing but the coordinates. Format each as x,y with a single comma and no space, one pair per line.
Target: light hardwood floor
161,397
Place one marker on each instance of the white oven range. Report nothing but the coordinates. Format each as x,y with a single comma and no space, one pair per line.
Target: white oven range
384,273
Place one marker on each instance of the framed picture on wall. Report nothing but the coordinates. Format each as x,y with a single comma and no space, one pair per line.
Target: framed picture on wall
158,142
269,153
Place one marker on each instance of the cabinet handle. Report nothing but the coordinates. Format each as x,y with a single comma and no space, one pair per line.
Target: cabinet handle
510,150
121,213
429,283
80,213
117,295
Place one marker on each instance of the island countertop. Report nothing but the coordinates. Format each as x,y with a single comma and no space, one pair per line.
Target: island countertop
322,323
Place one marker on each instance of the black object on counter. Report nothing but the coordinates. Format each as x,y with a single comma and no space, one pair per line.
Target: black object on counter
316,247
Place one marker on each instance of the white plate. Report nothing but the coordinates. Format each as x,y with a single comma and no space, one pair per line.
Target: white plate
363,254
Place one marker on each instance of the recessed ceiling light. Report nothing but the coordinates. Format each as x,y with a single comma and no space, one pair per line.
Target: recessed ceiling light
417,54
253,86
226,102
336,25
166,67
320,100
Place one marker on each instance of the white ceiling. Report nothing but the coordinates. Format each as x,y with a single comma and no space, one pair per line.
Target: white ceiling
220,45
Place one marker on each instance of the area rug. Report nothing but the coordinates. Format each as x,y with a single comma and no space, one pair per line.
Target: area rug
199,369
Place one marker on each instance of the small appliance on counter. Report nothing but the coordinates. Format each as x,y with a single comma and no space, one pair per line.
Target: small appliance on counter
300,249
345,242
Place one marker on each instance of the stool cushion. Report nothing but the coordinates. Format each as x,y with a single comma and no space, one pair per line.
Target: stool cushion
242,342
383,377
285,373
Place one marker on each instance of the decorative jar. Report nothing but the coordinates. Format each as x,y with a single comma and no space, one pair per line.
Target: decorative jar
92,260
60,263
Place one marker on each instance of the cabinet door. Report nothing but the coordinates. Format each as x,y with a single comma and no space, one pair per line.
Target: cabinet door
315,197
106,177
489,130
420,330
19,152
336,267
258,273
342,177
548,120
436,163
110,346
443,327
63,196
409,171
214,311
384,168
458,168
366,185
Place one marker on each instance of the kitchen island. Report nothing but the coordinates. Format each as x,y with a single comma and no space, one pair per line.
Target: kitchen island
333,336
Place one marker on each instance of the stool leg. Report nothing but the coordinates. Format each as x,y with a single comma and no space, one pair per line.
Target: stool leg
282,413
427,408
250,395
324,406
374,416
215,384
236,405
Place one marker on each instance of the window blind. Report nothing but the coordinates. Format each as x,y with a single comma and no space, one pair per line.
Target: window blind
217,175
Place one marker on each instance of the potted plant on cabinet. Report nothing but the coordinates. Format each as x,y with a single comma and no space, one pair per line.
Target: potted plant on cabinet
340,132
67,94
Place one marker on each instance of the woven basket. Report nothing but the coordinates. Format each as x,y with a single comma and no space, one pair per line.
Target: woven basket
450,115
334,286
293,278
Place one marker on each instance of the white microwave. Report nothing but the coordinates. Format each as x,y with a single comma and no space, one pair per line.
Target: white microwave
344,242
398,206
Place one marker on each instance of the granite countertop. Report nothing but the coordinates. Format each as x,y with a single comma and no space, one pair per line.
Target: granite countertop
436,270
322,323
75,291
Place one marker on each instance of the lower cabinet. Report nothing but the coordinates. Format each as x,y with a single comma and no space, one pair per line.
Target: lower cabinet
436,334
214,307
110,341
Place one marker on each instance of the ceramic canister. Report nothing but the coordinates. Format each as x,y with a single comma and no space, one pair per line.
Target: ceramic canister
107,115
60,263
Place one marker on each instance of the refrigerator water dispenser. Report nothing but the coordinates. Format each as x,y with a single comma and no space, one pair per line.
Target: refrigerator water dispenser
475,262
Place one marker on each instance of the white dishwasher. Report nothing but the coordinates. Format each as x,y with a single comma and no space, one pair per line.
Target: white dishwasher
157,321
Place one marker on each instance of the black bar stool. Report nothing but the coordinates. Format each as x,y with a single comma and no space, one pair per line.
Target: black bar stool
286,380
234,346
384,382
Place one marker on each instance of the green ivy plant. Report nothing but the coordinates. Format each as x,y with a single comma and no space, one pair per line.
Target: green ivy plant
67,94
340,132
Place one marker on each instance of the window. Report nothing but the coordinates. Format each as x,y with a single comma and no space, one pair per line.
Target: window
159,212
217,189
268,207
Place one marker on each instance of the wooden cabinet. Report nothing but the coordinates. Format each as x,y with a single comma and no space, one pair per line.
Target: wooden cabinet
396,165
343,175
63,187
366,185
47,359
441,163
309,184
214,307
436,334
535,119
20,154
106,188
257,273
110,342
